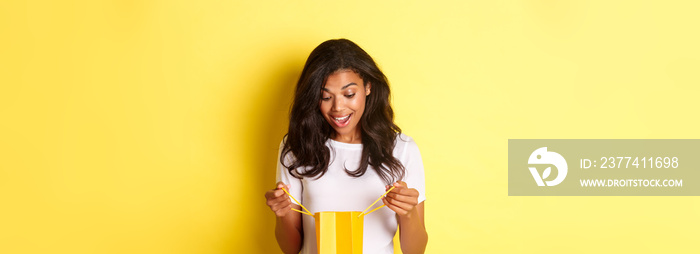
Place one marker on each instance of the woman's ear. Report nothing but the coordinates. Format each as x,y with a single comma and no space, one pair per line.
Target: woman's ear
368,88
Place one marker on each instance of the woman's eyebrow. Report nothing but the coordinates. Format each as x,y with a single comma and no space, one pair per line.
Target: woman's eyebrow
343,88
346,86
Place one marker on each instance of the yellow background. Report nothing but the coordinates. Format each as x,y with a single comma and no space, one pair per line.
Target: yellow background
152,126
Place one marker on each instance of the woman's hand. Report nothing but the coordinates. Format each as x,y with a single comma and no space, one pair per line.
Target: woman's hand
288,229
278,201
404,201
401,199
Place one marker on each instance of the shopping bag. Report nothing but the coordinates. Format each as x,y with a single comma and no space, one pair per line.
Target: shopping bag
339,232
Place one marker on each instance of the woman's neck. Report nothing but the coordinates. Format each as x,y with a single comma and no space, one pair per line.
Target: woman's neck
355,138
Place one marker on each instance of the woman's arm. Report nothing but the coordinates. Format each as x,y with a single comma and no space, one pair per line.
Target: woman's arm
289,232
412,232
288,229
410,214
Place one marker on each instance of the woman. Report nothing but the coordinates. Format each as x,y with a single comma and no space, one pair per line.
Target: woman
343,150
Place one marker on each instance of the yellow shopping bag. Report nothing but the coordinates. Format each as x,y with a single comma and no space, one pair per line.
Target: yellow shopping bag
339,232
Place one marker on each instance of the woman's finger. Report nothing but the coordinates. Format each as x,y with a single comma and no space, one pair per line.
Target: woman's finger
405,195
280,204
403,198
396,209
405,191
283,211
400,184
276,196
281,184
271,194
402,205
279,198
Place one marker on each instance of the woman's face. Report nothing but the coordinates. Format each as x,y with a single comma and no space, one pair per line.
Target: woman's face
343,102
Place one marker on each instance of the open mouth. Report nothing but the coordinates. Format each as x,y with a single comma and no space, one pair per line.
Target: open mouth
342,121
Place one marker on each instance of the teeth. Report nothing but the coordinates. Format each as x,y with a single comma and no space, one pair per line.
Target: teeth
341,118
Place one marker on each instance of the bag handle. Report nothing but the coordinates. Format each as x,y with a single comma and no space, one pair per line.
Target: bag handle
306,211
363,212
302,206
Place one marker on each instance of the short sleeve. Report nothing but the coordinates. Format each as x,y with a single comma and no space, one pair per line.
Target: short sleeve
413,163
284,176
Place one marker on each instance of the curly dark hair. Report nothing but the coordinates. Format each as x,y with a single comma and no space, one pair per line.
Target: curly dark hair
309,131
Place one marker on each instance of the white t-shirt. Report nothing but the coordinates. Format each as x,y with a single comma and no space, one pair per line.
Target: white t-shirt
338,191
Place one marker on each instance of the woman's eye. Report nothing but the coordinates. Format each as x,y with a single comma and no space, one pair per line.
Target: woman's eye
350,95
325,98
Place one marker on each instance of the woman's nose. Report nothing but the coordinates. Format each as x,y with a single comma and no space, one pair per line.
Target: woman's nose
337,105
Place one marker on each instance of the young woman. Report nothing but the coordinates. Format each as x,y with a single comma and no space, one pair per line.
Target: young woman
343,151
